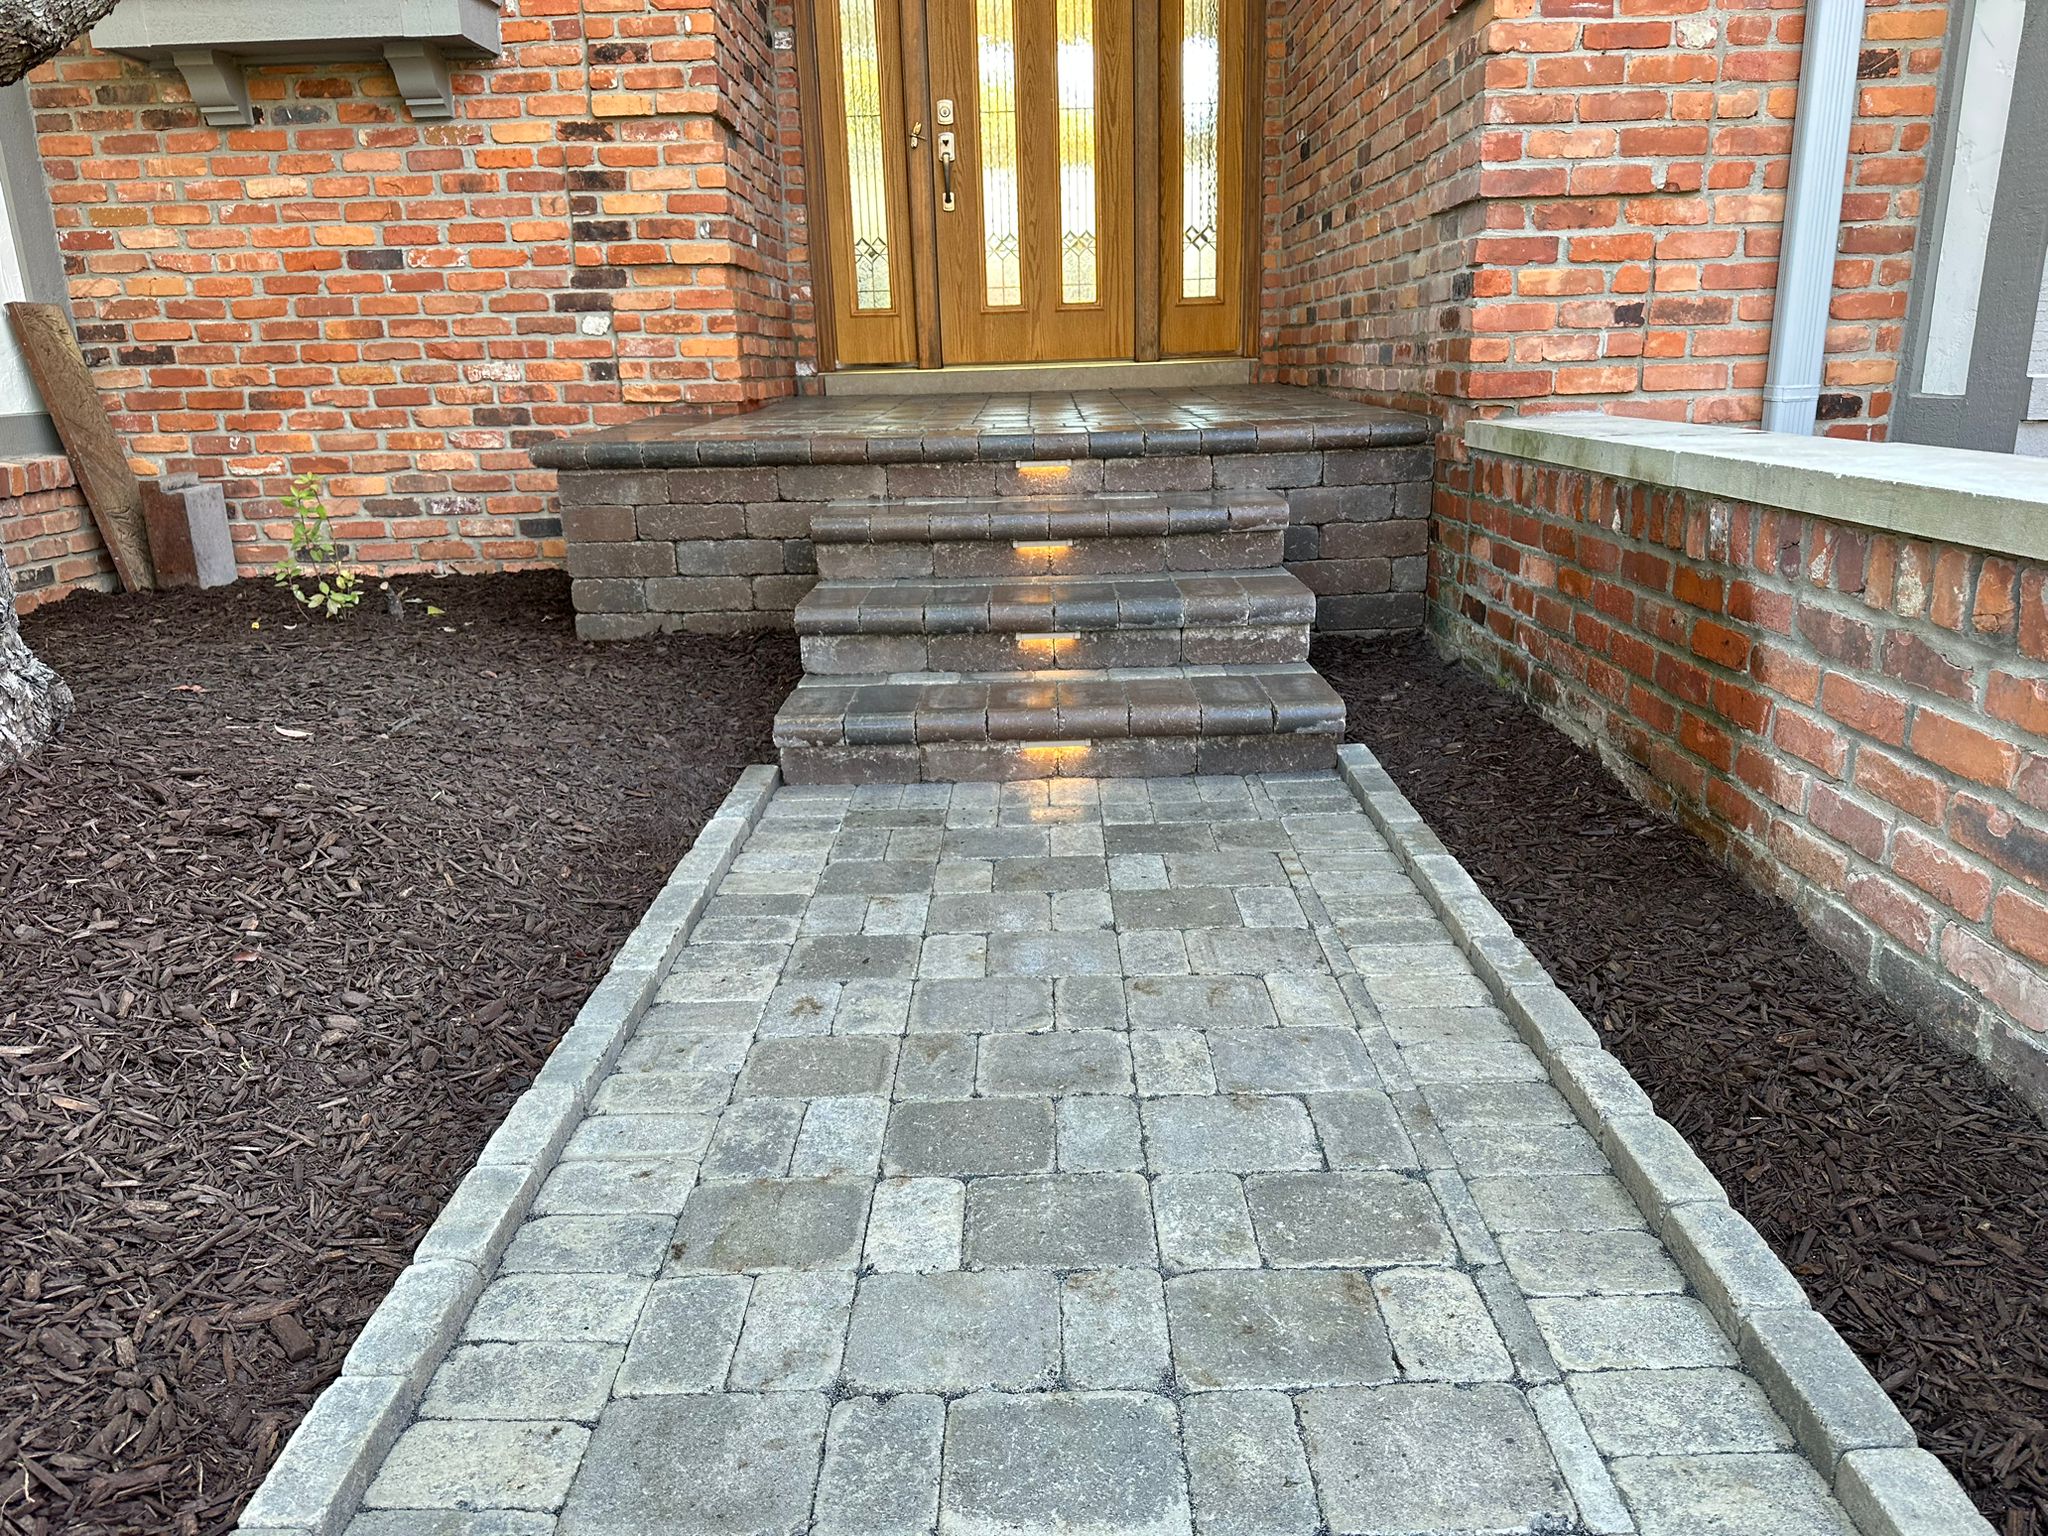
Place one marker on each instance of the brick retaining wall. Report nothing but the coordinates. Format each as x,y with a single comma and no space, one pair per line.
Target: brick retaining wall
729,549
1858,721
47,535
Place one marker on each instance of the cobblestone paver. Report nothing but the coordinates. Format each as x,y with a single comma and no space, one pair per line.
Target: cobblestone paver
1073,1157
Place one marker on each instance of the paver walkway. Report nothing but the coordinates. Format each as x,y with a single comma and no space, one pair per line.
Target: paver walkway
1074,1157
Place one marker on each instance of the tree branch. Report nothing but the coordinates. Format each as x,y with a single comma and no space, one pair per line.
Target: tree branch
34,30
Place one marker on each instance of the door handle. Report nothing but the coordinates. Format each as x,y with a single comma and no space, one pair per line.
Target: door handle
946,159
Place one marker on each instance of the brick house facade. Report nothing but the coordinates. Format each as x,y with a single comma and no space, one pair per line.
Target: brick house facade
1548,203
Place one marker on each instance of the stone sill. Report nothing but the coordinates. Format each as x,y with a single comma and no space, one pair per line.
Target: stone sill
1990,501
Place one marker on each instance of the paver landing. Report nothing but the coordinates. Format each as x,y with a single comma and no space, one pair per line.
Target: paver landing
1128,1157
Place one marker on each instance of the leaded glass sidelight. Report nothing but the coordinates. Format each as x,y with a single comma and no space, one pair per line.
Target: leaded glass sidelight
1076,75
995,42
1201,100
860,60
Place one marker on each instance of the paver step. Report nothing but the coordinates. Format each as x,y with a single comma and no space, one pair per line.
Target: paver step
1001,624
1068,722
1094,534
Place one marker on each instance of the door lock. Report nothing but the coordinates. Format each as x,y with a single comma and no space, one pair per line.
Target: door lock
945,110
947,156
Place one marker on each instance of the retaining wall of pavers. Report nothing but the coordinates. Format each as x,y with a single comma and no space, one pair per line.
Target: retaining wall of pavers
1855,719
654,550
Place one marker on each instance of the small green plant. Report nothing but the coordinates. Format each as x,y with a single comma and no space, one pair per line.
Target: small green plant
313,567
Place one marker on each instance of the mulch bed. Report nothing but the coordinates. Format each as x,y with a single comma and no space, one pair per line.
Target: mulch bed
1906,1189
291,914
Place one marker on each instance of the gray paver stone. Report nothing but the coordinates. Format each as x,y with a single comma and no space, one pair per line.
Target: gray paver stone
539,1379
1062,1221
1361,1130
1056,1062
881,1472
1611,1333
1277,1328
1676,1412
954,1332
970,1136
1601,1507
915,1225
1203,1222
734,1465
1063,1464
1744,1495
1246,1469
331,1455
1235,1132
415,1323
1656,1166
1439,1326
1905,1493
1831,1402
818,1066
794,1330
476,1464
1352,1220
1113,1328
771,1224
685,1337
1280,1060
1099,1134
592,1308
1429,1457
1590,1264
1730,1265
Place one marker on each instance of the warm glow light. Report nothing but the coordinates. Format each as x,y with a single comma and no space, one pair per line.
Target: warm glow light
1050,641
1054,748
1044,469
1028,547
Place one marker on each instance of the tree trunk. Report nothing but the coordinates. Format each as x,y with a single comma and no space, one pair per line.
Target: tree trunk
33,700
33,30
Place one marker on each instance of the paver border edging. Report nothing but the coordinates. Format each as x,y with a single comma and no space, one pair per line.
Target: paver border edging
1844,1422
315,1485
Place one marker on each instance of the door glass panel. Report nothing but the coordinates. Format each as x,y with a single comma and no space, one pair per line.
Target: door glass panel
996,48
1201,99
1077,150
861,70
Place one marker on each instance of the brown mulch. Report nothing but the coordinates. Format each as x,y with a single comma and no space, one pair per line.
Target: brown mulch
291,913
1907,1191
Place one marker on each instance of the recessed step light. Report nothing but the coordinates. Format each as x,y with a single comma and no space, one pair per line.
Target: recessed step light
1042,546
1046,640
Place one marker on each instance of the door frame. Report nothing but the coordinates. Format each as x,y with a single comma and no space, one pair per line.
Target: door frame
923,267
1988,412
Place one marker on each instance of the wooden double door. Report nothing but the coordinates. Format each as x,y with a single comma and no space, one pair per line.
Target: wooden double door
1030,181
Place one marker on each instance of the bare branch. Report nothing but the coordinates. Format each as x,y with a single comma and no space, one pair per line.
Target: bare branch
34,30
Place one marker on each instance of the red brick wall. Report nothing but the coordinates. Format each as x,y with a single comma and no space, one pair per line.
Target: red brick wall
1372,138
401,306
47,535
1858,721
1607,234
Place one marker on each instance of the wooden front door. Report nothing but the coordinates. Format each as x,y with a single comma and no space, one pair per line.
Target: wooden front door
1033,178
1030,181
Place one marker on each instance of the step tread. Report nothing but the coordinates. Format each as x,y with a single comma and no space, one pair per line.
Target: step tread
1095,514
1090,705
1041,604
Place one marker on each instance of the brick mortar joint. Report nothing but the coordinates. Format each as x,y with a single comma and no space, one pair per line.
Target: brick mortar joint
1397,821
341,1472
